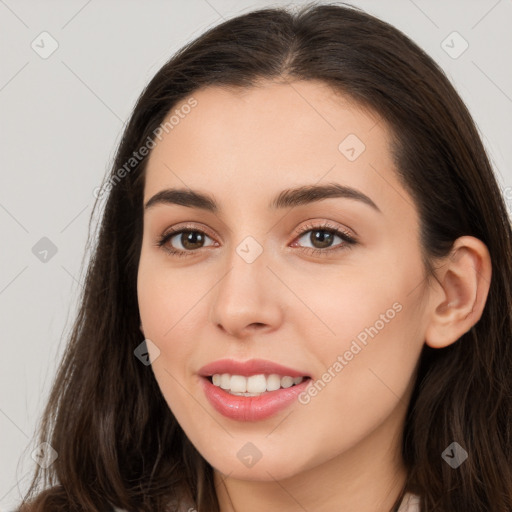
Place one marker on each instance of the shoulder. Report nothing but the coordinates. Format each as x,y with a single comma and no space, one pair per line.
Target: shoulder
410,503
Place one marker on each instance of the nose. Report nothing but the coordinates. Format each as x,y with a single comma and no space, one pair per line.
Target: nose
247,300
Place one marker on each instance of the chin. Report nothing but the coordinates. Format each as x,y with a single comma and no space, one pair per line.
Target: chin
266,469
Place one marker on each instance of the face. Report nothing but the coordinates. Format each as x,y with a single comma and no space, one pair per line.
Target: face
309,302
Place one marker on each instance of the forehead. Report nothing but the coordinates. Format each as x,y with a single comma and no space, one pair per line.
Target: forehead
270,137
275,114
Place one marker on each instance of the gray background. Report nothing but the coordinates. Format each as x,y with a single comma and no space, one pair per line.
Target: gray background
62,116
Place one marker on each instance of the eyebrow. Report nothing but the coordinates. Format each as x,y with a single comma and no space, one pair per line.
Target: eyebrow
285,199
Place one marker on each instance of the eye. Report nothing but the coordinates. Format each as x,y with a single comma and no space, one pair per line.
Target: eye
183,242
179,242
322,238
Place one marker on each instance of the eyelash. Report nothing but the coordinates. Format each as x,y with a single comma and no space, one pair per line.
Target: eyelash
348,240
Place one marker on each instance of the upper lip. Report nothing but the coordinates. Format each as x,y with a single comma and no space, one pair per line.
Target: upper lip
248,368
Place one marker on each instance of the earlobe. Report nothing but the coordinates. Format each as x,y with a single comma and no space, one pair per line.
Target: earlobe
464,286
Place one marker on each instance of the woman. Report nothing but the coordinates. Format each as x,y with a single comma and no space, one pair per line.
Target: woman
300,297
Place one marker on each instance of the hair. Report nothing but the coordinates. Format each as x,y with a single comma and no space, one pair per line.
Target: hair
118,442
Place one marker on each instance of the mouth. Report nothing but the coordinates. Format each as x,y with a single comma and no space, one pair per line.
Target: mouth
251,390
255,385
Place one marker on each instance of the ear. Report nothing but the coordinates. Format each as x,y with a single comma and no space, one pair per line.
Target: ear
458,303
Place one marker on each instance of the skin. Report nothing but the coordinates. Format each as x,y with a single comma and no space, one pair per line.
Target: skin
340,451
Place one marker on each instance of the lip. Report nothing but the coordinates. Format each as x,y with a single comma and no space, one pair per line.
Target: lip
248,368
250,408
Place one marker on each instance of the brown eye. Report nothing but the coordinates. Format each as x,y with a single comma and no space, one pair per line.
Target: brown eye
191,239
321,238
184,241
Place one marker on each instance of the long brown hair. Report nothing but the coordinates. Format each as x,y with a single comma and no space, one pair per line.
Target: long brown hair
117,441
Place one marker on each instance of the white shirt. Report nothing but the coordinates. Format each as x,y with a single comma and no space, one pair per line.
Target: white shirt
410,503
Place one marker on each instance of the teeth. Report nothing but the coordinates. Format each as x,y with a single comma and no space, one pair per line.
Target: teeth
225,381
287,382
238,384
273,382
255,384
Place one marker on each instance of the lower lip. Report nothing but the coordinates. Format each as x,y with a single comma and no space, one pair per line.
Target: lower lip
252,408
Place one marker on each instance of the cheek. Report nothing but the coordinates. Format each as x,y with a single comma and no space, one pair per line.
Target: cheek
350,303
160,318
371,337
165,295
169,301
